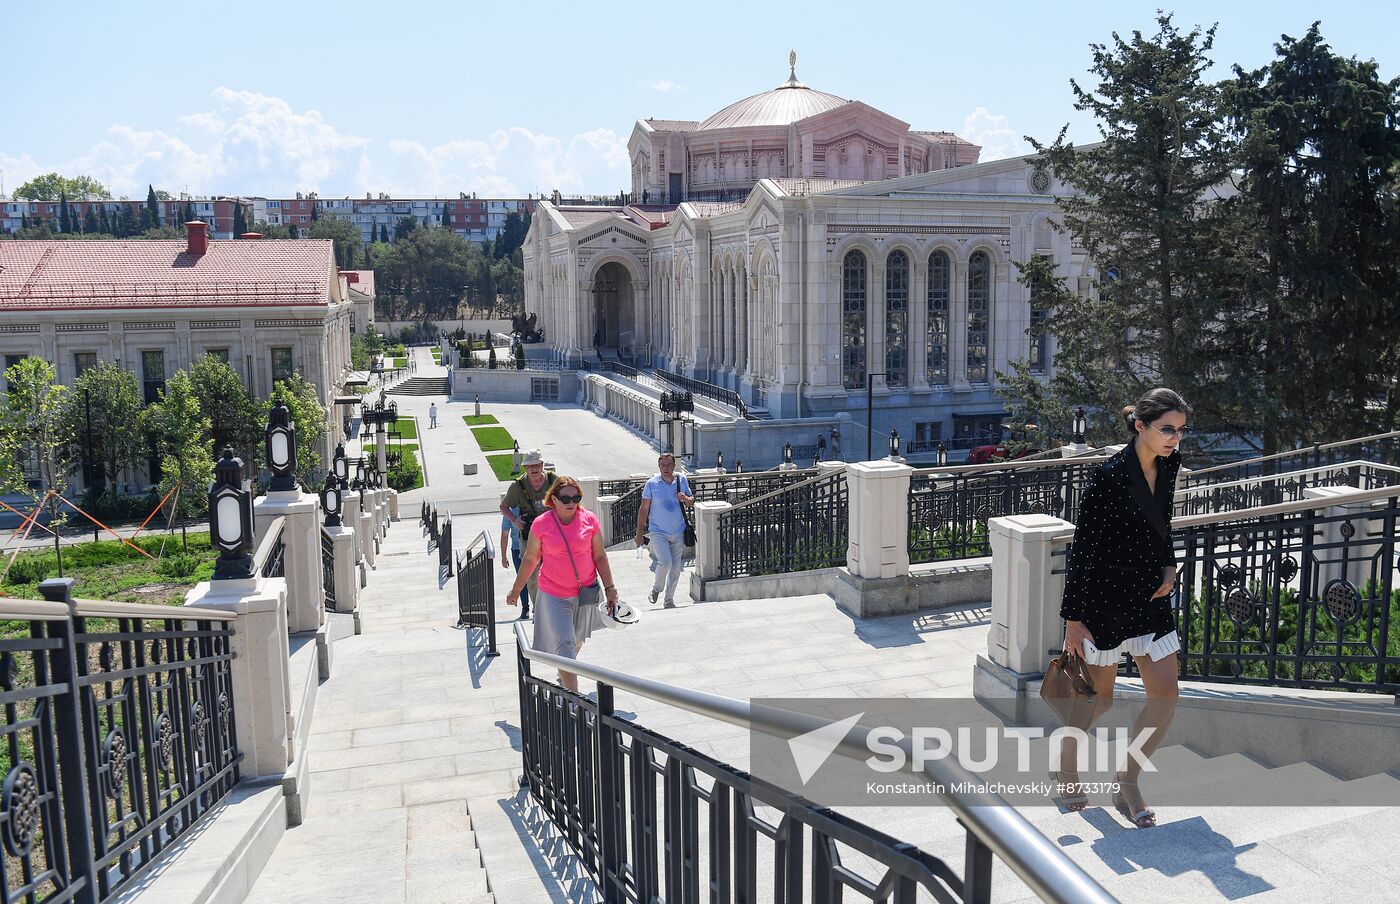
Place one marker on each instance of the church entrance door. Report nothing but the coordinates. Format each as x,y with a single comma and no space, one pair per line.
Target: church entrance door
612,307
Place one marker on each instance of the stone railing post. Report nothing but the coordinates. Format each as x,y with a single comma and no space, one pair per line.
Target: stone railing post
589,486
302,556
707,541
604,511
262,702
365,533
879,531
1025,594
347,583
350,517
394,505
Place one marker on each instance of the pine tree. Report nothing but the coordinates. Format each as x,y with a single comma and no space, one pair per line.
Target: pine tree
151,217
105,224
240,223
384,233
367,264
315,210
65,223
90,224
446,216
128,227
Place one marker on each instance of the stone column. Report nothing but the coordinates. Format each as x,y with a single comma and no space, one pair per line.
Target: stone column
707,552
347,580
1025,594
879,532
394,502
364,534
381,450
302,556
604,511
589,486
262,702
350,517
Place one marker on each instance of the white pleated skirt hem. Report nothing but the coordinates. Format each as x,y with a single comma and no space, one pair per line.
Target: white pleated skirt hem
1134,646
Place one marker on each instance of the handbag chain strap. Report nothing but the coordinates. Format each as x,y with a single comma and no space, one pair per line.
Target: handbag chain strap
568,549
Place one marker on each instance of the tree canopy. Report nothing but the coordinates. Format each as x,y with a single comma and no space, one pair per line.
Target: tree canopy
52,186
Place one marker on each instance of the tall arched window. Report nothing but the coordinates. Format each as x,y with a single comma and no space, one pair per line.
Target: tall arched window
979,297
1040,312
853,321
938,281
897,319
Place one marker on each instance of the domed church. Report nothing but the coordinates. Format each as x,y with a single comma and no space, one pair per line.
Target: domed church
799,249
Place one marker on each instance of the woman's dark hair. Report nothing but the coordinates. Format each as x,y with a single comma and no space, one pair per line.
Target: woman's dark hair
1153,405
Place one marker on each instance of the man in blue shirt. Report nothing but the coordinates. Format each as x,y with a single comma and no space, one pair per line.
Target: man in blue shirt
510,540
661,514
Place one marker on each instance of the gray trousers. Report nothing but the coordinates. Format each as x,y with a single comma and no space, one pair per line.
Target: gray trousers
669,552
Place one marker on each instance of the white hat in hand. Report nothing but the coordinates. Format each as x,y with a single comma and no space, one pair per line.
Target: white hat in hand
620,617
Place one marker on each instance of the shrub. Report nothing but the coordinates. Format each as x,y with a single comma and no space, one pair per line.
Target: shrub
180,565
31,569
407,474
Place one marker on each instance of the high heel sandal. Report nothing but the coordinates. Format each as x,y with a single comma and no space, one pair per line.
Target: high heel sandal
1071,792
1143,818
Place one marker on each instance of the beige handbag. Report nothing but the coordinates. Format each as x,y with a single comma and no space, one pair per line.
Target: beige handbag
1066,687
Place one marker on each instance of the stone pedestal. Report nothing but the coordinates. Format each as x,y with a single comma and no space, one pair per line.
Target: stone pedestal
393,505
350,516
262,703
1025,594
879,531
347,579
604,511
1073,450
589,486
707,541
369,542
302,556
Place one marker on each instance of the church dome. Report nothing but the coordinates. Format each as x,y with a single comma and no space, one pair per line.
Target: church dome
782,106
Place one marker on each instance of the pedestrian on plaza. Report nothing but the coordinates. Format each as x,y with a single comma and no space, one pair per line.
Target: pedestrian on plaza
510,553
566,545
1119,584
661,515
432,415
525,501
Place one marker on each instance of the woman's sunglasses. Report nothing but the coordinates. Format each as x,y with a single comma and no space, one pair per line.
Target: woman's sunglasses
1171,432
568,500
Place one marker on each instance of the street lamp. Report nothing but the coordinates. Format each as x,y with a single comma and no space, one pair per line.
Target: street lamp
894,443
231,519
738,466
942,454
1081,424
719,459
330,500
281,447
787,453
339,464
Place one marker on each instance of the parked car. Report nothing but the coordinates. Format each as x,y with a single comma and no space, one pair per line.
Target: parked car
981,455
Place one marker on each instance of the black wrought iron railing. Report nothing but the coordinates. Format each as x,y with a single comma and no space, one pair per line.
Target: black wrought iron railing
651,819
624,513
1277,488
268,560
118,738
476,589
708,391
1292,595
949,507
444,548
798,528
328,569
1383,448
739,488
619,487
618,367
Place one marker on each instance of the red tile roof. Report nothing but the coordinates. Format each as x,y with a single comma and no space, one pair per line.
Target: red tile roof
66,275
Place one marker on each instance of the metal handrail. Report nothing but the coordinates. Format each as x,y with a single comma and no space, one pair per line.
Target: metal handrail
1016,465
1048,871
1207,488
1313,448
790,487
269,541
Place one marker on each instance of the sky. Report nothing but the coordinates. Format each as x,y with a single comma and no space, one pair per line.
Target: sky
504,99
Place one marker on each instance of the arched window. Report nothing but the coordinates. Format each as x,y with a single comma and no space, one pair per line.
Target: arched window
938,281
1038,353
853,321
979,298
896,319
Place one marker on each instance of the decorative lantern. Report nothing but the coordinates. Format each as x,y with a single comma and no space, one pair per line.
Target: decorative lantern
894,443
719,459
787,453
281,446
331,501
231,519
393,412
942,454
339,464
1081,424
738,466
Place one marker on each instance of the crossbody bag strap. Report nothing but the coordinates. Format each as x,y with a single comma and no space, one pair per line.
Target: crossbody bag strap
568,550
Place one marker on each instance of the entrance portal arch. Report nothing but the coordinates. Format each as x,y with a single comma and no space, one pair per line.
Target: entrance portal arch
613,309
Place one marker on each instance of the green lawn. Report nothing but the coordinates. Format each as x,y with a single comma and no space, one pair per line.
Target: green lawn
479,420
110,570
398,362
493,439
406,427
501,466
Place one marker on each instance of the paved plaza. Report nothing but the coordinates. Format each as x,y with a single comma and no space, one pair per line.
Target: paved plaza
415,755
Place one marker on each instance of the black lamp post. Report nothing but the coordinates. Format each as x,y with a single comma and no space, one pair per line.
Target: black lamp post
719,459
231,519
942,454
836,441
787,453
1081,424
894,442
339,466
869,415
281,447
331,501
738,466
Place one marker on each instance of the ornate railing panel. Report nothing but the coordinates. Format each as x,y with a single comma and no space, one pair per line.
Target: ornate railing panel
624,513
328,569
619,487
476,589
118,737
948,512
1304,599
708,391
1284,487
800,528
738,488
1381,447
444,548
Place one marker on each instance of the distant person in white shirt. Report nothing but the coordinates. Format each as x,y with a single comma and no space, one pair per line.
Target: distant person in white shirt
432,415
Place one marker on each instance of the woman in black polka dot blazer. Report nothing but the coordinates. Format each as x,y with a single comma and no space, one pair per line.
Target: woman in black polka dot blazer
1120,578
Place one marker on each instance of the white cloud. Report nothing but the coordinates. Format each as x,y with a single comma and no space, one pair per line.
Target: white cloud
994,133
665,85
252,143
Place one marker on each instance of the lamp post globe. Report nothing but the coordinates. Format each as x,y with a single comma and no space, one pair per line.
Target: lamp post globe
1081,424
787,453
894,442
719,459
331,501
281,448
942,454
339,466
231,518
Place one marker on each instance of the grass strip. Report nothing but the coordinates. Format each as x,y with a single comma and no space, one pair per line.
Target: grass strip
479,420
406,426
501,466
493,439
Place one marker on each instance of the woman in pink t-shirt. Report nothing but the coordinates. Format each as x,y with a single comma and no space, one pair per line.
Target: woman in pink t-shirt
566,543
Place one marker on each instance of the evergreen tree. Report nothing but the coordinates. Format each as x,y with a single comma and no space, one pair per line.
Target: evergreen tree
187,216
128,226
384,233
65,223
90,224
446,216
292,231
367,265
151,217
315,210
105,222
240,222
